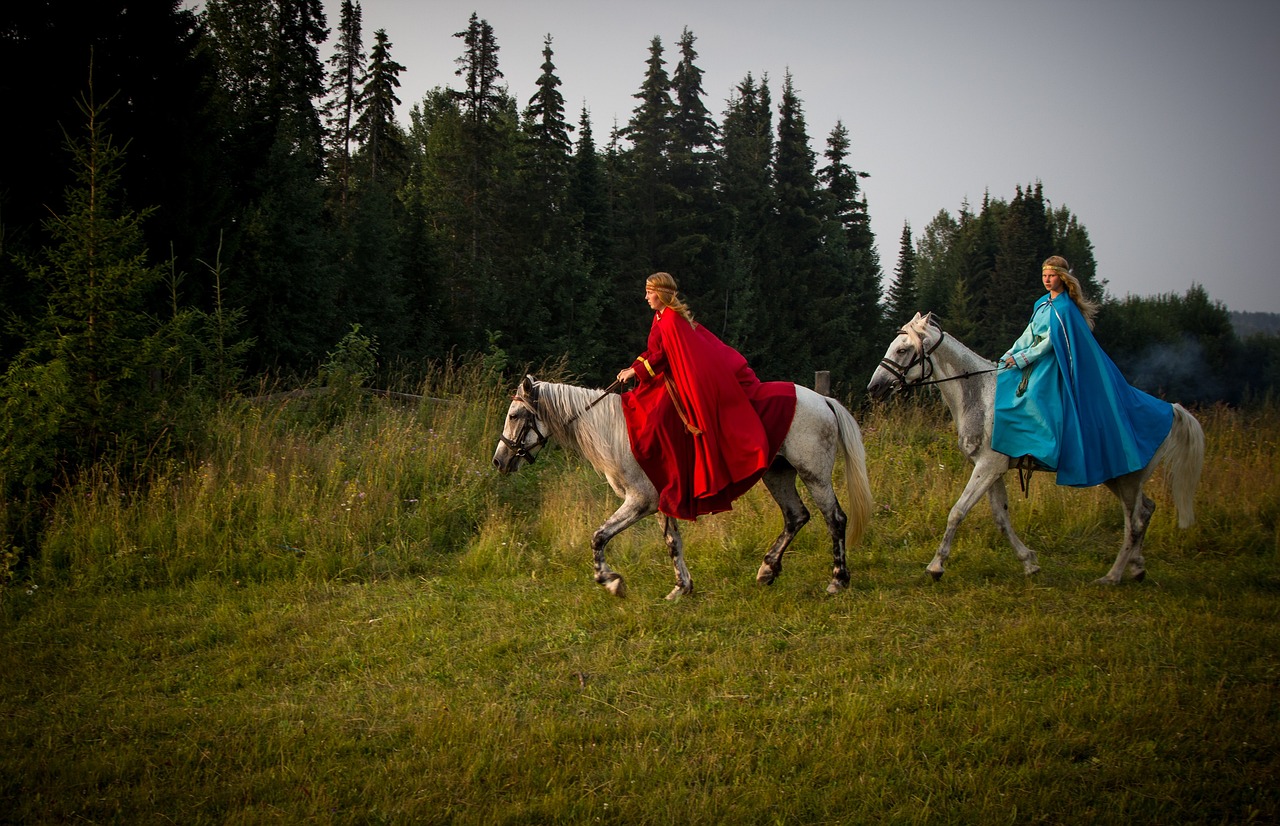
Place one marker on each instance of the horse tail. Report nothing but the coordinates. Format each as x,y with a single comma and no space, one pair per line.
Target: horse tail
855,473
1185,459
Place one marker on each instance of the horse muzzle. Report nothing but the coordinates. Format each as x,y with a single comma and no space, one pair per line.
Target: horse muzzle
883,385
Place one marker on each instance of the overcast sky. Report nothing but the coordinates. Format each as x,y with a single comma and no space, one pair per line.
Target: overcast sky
1157,122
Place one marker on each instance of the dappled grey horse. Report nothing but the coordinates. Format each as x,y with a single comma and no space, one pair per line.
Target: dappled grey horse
921,353
580,419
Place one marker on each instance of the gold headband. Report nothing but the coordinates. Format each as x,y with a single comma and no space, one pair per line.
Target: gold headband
658,289
1055,268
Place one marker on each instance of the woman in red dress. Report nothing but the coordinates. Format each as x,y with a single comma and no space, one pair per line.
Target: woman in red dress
691,420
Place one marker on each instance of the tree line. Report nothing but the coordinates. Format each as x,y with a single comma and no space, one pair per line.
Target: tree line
192,200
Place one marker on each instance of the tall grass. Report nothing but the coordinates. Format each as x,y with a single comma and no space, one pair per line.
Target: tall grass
281,490
276,631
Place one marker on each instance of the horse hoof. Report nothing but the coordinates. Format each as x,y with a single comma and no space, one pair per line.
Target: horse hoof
835,587
679,591
766,575
1140,575
937,575
616,587
1105,581
1031,570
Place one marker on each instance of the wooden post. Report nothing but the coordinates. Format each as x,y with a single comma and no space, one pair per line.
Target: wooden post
822,382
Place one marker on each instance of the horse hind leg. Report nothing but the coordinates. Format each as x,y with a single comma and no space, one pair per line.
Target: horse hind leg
824,496
675,547
780,479
1137,564
1138,510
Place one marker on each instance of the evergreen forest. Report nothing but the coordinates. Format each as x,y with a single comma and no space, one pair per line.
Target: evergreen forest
193,203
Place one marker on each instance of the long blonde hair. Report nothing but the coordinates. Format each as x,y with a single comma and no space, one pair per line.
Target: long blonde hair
1087,306
664,284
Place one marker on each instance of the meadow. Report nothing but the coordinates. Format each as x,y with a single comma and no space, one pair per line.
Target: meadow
344,614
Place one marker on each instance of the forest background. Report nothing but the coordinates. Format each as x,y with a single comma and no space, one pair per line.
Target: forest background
194,204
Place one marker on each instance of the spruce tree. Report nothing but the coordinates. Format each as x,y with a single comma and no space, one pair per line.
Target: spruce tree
346,79
88,381
545,162
694,219
903,302
808,325
281,252
647,196
863,312
745,182
481,96
382,141
935,261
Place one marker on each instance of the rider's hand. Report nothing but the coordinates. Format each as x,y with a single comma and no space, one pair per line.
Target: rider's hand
626,374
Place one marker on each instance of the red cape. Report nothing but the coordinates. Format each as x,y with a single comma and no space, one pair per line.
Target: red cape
738,423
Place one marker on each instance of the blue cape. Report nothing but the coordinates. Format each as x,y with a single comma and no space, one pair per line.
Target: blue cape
1077,414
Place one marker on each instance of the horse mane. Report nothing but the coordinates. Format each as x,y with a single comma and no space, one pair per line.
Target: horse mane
599,434
917,328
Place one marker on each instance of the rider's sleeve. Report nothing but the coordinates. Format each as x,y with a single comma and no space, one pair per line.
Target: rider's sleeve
653,361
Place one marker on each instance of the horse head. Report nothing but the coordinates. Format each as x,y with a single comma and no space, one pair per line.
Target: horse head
907,361
523,433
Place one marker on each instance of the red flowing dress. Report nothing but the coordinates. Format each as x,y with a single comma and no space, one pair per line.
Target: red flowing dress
701,425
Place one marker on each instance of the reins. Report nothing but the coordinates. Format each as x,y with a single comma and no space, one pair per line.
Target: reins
924,357
1024,465
599,399
967,375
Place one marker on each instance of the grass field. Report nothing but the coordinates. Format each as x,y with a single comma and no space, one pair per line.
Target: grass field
361,622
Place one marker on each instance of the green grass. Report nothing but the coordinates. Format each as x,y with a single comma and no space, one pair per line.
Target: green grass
452,661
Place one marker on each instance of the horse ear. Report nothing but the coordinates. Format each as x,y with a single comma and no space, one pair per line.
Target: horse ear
916,318
529,387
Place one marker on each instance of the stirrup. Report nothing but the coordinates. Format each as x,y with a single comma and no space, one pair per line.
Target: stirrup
1026,465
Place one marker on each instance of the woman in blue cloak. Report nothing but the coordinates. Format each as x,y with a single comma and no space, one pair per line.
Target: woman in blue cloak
1061,401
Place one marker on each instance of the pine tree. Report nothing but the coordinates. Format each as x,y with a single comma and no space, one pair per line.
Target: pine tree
481,96
903,300
745,182
280,250
588,199
863,314
1023,242
1071,241
346,80
548,147
808,325
645,166
154,58
936,267
295,73
694,216
85,382
382,141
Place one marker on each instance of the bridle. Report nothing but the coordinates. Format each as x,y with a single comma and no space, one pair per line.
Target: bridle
528,422
924,356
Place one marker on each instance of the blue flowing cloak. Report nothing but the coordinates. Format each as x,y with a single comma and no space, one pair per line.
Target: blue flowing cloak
1077,414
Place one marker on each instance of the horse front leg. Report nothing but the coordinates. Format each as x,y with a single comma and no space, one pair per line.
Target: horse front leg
1138,509
675,547
634,508
998,497
780,479
985,472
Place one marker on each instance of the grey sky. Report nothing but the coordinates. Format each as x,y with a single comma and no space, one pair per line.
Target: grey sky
1157,122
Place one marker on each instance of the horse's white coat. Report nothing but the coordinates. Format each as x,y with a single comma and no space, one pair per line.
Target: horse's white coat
972,404
599,435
